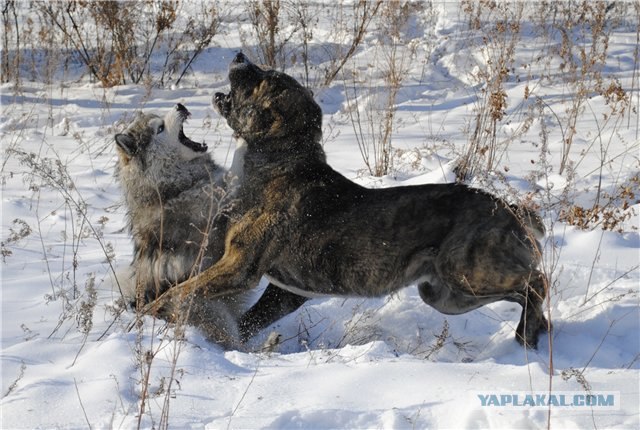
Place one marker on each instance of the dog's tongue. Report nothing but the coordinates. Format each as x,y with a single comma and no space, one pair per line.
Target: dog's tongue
194,146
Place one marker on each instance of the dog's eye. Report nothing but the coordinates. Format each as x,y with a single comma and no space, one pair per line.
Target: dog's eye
160,129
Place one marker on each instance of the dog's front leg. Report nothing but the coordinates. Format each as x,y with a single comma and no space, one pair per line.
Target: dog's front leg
222,279
233,273
247,255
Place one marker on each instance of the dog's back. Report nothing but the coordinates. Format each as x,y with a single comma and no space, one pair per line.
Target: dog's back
311,230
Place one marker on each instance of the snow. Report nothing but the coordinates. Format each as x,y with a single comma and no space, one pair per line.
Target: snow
390,362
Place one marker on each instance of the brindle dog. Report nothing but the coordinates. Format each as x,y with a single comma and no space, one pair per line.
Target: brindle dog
312,231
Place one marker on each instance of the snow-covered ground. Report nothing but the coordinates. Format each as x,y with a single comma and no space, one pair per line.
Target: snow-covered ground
69,359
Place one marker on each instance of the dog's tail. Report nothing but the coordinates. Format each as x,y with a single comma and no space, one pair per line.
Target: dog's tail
531,221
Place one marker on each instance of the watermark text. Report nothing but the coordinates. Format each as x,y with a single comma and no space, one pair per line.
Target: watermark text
608,400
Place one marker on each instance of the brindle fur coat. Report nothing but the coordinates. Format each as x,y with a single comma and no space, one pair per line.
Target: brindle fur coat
312,231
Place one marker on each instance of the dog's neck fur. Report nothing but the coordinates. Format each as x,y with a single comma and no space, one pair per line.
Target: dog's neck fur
159,186
261,154
264,163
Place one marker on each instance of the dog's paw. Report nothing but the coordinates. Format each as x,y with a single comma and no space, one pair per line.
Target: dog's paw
272,343
222,104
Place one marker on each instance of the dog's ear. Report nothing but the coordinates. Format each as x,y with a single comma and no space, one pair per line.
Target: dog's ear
126,143
299,114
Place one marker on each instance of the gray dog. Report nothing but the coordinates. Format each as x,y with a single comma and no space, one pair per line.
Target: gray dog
311,231
173,189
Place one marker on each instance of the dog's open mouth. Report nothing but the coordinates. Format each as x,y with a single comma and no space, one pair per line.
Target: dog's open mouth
183,114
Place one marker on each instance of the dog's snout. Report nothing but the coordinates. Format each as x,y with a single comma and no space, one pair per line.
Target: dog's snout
239,58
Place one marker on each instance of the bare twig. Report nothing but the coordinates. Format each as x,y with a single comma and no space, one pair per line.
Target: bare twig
81,405
246,390
14,384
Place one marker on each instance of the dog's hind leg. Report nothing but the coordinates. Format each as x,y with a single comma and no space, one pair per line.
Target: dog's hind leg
532,320
530,294
274,304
